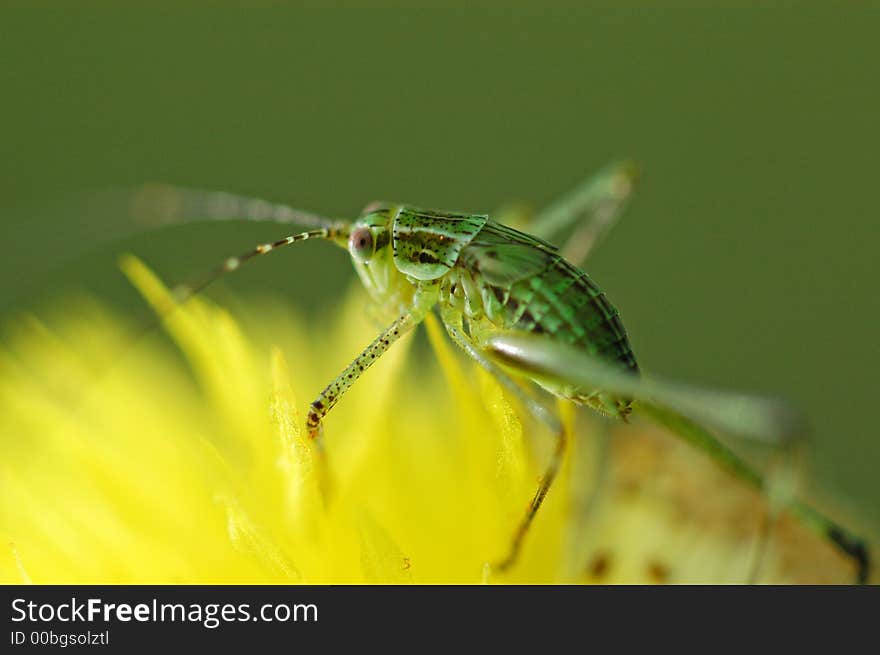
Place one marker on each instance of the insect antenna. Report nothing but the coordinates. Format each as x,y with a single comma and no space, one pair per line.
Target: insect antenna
89,220
156,204
184,206
183,292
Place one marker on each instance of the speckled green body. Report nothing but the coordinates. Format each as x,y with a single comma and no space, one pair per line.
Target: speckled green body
497,278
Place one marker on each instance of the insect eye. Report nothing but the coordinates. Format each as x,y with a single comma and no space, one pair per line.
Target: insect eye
360,244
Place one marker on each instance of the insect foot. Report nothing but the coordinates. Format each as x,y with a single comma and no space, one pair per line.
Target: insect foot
513,554
507,563
855,548
315,432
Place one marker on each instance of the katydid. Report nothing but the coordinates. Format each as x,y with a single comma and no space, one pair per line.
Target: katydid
522,309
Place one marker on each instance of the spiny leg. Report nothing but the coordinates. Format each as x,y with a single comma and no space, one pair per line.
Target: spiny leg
539,412
328,398
684,411
544,487
183,292
425,298
592,209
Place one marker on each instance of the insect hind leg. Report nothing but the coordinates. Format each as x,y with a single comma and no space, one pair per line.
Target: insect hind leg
539,412
693,415
777,486
588,212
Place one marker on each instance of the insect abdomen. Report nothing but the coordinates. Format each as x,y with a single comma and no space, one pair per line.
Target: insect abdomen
565,304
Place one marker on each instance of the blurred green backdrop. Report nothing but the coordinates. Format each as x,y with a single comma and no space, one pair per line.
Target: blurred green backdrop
748,259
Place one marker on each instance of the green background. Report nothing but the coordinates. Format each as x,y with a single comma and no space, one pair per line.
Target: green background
748,259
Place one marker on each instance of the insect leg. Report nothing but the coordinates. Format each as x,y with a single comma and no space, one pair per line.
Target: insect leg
684,411
841,538
452,322
601,199
425,298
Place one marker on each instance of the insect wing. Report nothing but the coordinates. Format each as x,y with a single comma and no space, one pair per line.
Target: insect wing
503,255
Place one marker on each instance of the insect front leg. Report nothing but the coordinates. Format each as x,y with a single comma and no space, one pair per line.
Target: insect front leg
424,299
452,321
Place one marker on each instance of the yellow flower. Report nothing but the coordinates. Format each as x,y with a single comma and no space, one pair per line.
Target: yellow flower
126,465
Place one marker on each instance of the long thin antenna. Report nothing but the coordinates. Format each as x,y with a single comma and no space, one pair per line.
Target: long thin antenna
183,292
87,221
157,204
125,211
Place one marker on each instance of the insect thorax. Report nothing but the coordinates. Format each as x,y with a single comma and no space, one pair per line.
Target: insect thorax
411,245
426,244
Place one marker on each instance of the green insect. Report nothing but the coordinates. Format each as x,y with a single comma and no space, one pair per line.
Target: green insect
522,309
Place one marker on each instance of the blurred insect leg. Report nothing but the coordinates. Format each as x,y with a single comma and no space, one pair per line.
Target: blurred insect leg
850,545
844,540
425,298
538,411
543,488
779,490
684,411
769,517
517,215
682,427
590,209
729,461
